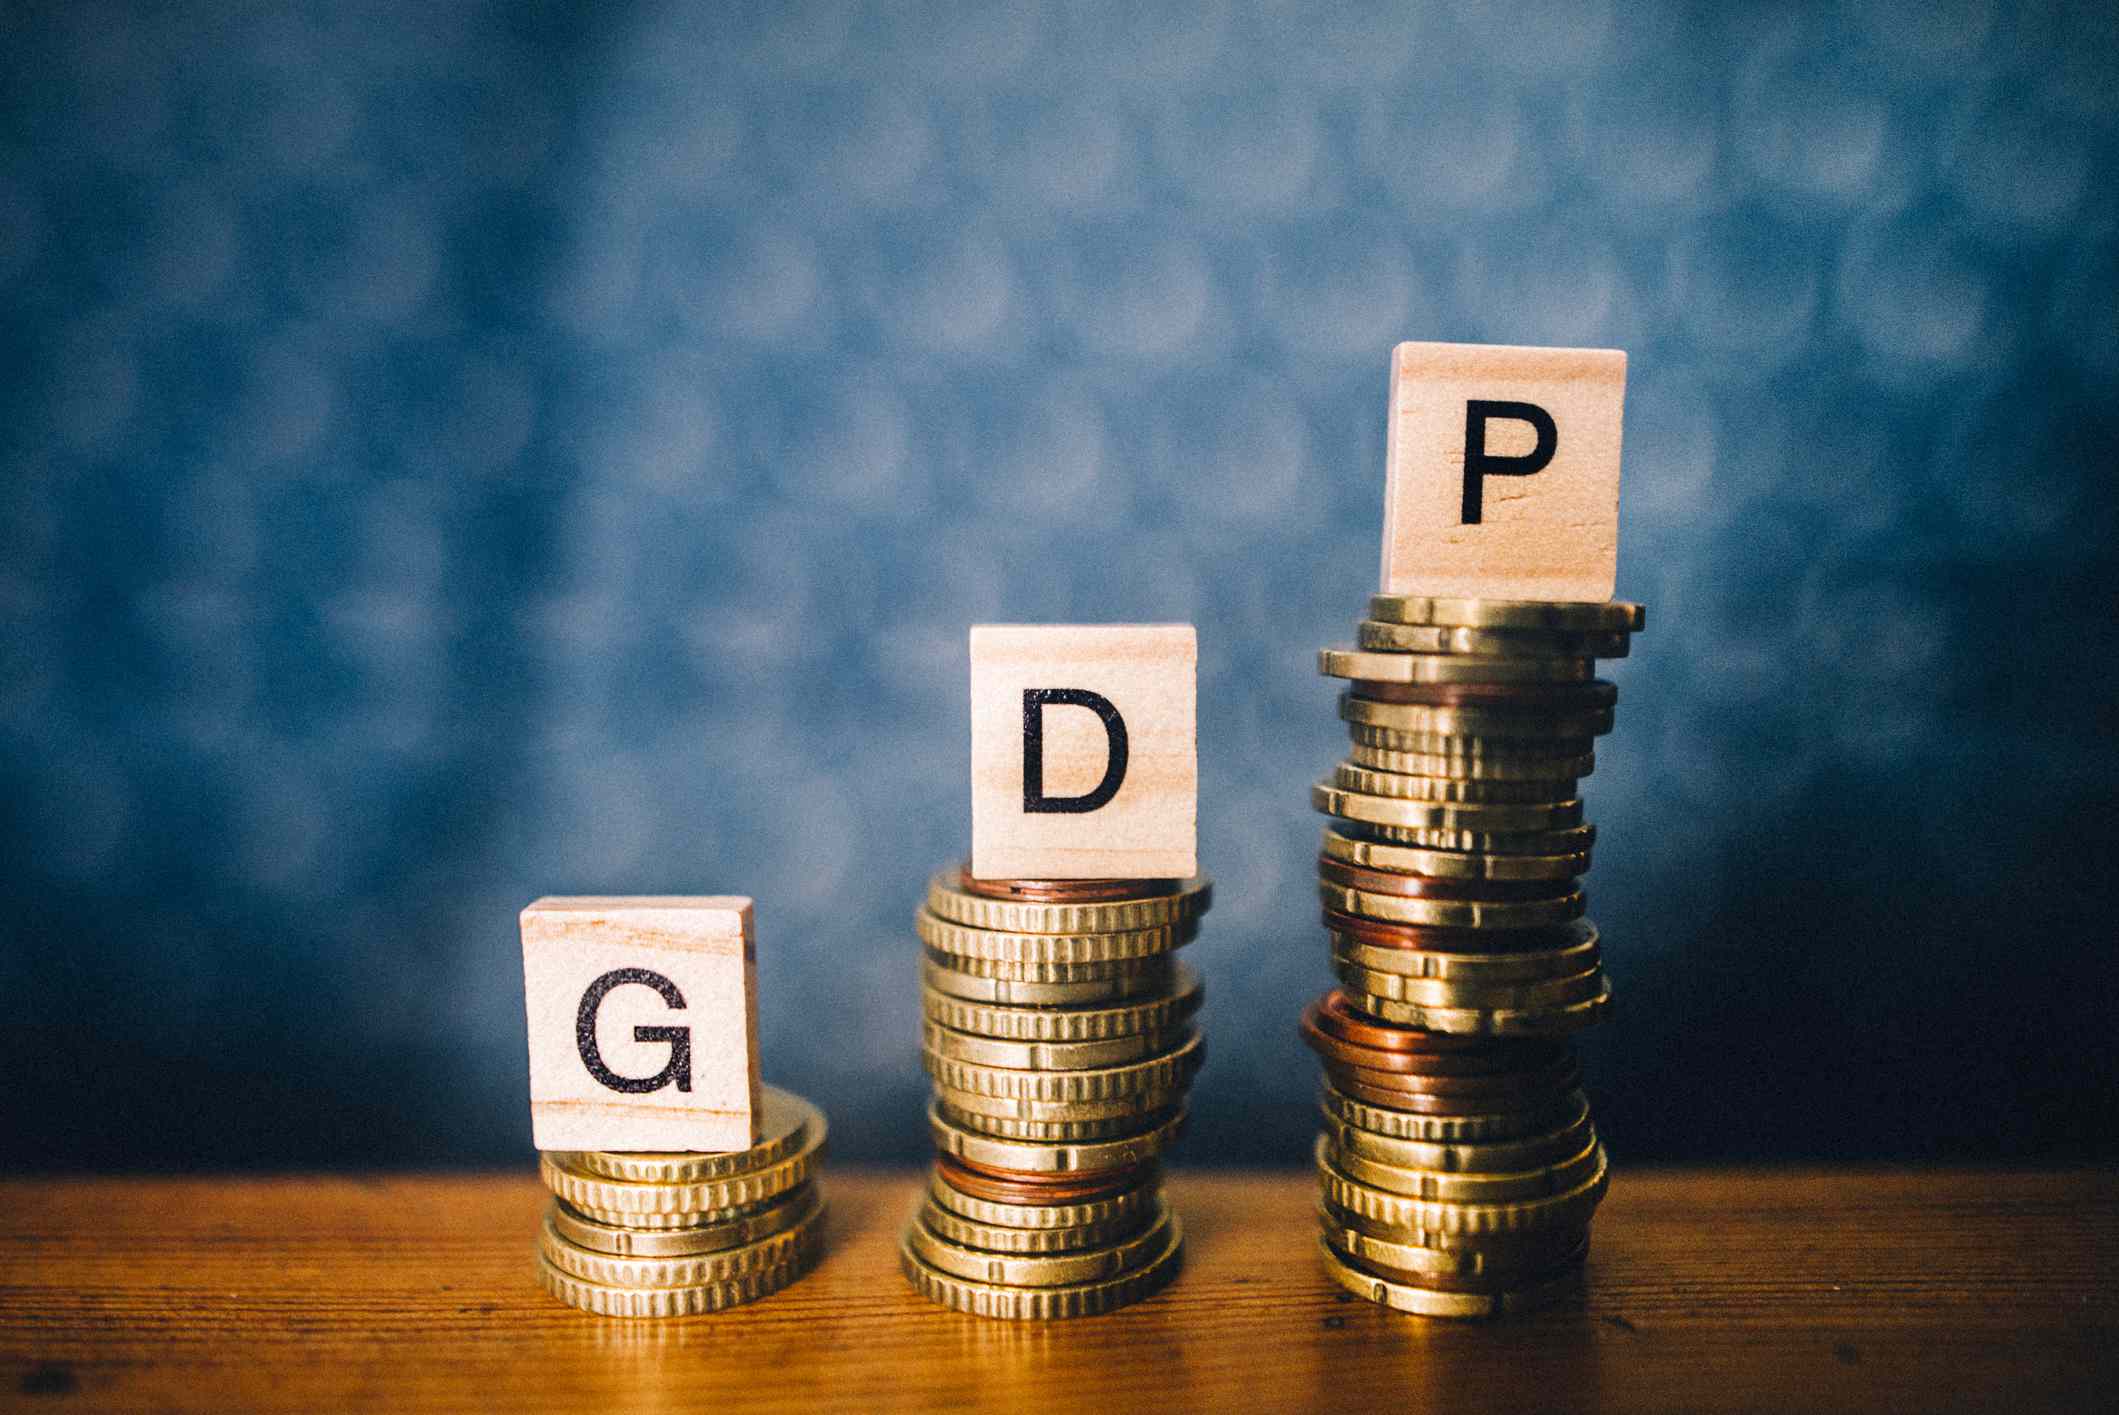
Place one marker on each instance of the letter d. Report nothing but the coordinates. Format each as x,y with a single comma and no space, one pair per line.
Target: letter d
1035,801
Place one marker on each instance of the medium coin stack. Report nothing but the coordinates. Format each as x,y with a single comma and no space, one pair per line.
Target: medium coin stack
1459,1168
1058,1030
671,1235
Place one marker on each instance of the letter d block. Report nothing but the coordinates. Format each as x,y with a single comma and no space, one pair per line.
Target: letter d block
643,1023
1502,472
1084,751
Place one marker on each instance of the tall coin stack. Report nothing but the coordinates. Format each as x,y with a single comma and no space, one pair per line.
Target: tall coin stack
1058,1031
1459,1167
669,1235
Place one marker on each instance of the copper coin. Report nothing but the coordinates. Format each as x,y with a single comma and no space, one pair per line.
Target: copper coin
1335,1052
1429,887
1382,1088
1529,697
1336,1014
1066,891
1378,934
1005,1186
1532,1072
1324,1035
1507,1088
1337,1010
1412,1104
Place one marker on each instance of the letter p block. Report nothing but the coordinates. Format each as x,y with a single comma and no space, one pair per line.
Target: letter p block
1502,472
643,1023
1084,751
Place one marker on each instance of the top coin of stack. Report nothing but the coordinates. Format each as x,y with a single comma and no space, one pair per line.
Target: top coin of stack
1459,1166
1058,1031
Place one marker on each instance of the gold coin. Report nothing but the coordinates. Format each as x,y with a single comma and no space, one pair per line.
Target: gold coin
1440,1186
1451,864
1010,992
1513,842
962,940
681,1205
1040,1269
688,1270
1008,1127
1503,1261
1470,756
955,1229
1476,724
1490,769
1555,1020
1045,1056
1474,758
1350,775
1519,1249
1474,969
1046,1303
948,900
1568,1208
1123,1211
1536,1119
1490,1157
1104,1083
607,1301
1426,1302
1158,967
1038,1157
1072,1024
1519,996
1467,753
1581,616
784,1122
1404,786
1545,817
1388,637
1453,913
666,1223
1120,1108
1370,667
619,1241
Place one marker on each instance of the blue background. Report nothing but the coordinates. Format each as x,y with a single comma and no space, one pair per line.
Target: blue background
460,453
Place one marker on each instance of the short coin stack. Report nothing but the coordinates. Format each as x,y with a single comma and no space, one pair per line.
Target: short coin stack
669,1235
1058,1033
1459,1168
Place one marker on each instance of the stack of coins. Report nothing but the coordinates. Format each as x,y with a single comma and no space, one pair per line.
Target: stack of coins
1058,1031
670,1235
1459,1168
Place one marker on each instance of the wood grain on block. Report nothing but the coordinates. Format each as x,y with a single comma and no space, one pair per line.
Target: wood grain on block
1084,751
643,1022
1502,472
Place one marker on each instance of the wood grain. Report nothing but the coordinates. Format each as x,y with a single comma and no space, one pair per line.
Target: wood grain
1709,1291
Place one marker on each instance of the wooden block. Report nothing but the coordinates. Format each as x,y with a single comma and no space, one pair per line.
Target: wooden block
643,1023
1502,472
1084,751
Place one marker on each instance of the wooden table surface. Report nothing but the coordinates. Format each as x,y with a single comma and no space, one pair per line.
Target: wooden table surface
1709,1290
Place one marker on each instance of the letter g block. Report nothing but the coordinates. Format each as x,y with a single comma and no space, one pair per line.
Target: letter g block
643,1023
1084,751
